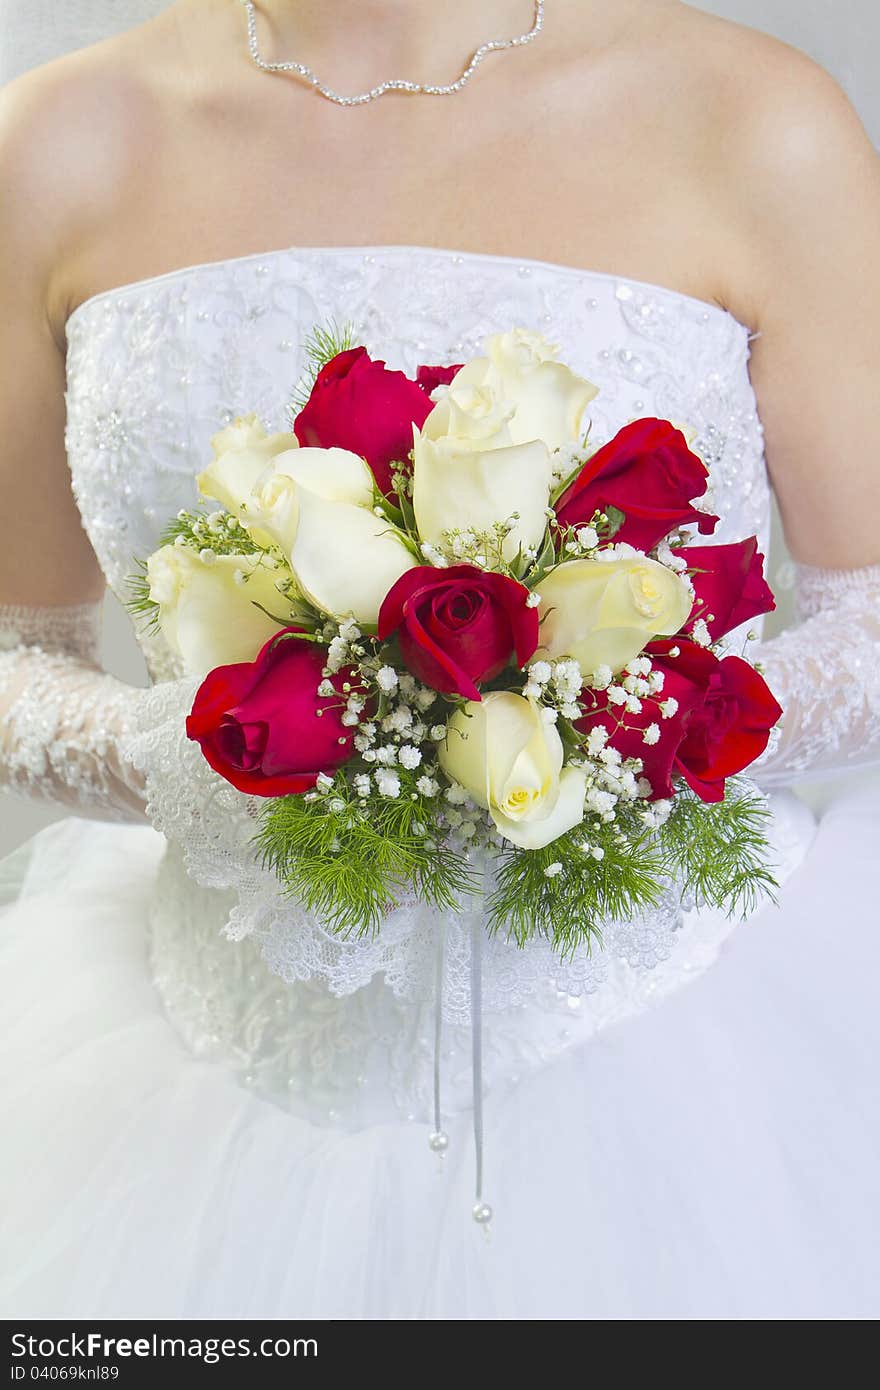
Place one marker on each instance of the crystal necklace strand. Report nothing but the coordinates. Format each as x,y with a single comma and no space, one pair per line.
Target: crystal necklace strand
395,84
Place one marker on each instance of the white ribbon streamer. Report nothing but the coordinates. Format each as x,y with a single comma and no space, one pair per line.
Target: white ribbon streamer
482,1212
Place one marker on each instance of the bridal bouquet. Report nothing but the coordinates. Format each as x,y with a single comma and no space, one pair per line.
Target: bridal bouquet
454,647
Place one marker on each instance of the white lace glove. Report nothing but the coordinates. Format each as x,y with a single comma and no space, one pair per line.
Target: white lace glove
62,718
826,675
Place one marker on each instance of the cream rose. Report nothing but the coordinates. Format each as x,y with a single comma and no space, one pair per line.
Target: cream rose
469,475
208,617
603,613
547,400
317,505
241,453
334,475
504,754
483,453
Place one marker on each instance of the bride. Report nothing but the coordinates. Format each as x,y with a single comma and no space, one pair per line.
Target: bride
692,212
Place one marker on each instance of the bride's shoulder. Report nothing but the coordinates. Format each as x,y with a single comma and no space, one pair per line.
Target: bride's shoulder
71,115
780,151
773,107
728,97
72,132
772,133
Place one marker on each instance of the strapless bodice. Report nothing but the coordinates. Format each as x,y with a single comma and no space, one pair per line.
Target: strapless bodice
153,370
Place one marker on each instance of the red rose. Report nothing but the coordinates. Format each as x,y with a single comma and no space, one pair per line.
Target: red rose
262,725
430,377
459,626
361,405
729,584
687,678
647,472
722,723
729,730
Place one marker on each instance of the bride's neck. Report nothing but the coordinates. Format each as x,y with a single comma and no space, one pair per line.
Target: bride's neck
419,37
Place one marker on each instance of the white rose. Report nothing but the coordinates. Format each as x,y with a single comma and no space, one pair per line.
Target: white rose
484,451
548,400
604,614
335,475
510,761
241,453
317,505
207,617
469,475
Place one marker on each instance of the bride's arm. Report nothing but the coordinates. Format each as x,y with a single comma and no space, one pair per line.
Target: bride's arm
61,716
811,194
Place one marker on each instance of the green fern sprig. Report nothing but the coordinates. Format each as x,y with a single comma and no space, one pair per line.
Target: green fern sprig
720,851
565,892
324,342
350,863
138,603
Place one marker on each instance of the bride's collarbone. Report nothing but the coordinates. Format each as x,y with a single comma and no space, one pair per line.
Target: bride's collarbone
520,220
593,184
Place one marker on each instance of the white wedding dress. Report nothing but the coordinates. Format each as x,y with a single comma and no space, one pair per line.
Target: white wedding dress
205,1126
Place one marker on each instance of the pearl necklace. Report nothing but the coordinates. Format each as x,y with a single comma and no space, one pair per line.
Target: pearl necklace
395,84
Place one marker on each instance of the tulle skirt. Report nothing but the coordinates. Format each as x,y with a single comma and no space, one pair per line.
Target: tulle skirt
715,1157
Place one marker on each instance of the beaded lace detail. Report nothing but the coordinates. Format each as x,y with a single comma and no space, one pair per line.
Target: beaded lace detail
826,674
367,1056
62,716
73,630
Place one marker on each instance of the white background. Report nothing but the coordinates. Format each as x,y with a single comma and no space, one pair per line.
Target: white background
843,35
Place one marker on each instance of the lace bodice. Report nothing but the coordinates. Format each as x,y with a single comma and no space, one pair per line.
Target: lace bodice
154,369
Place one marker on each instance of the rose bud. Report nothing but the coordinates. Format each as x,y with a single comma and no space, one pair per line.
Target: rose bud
647,472
429,378
262,725
459,626
729,585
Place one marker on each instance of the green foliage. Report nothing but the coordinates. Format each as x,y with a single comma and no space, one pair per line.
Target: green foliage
350,864
531,572
569,907
180,527
143,609
408,515
615,519
606,525
567,479
192,528
720,851
324,343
